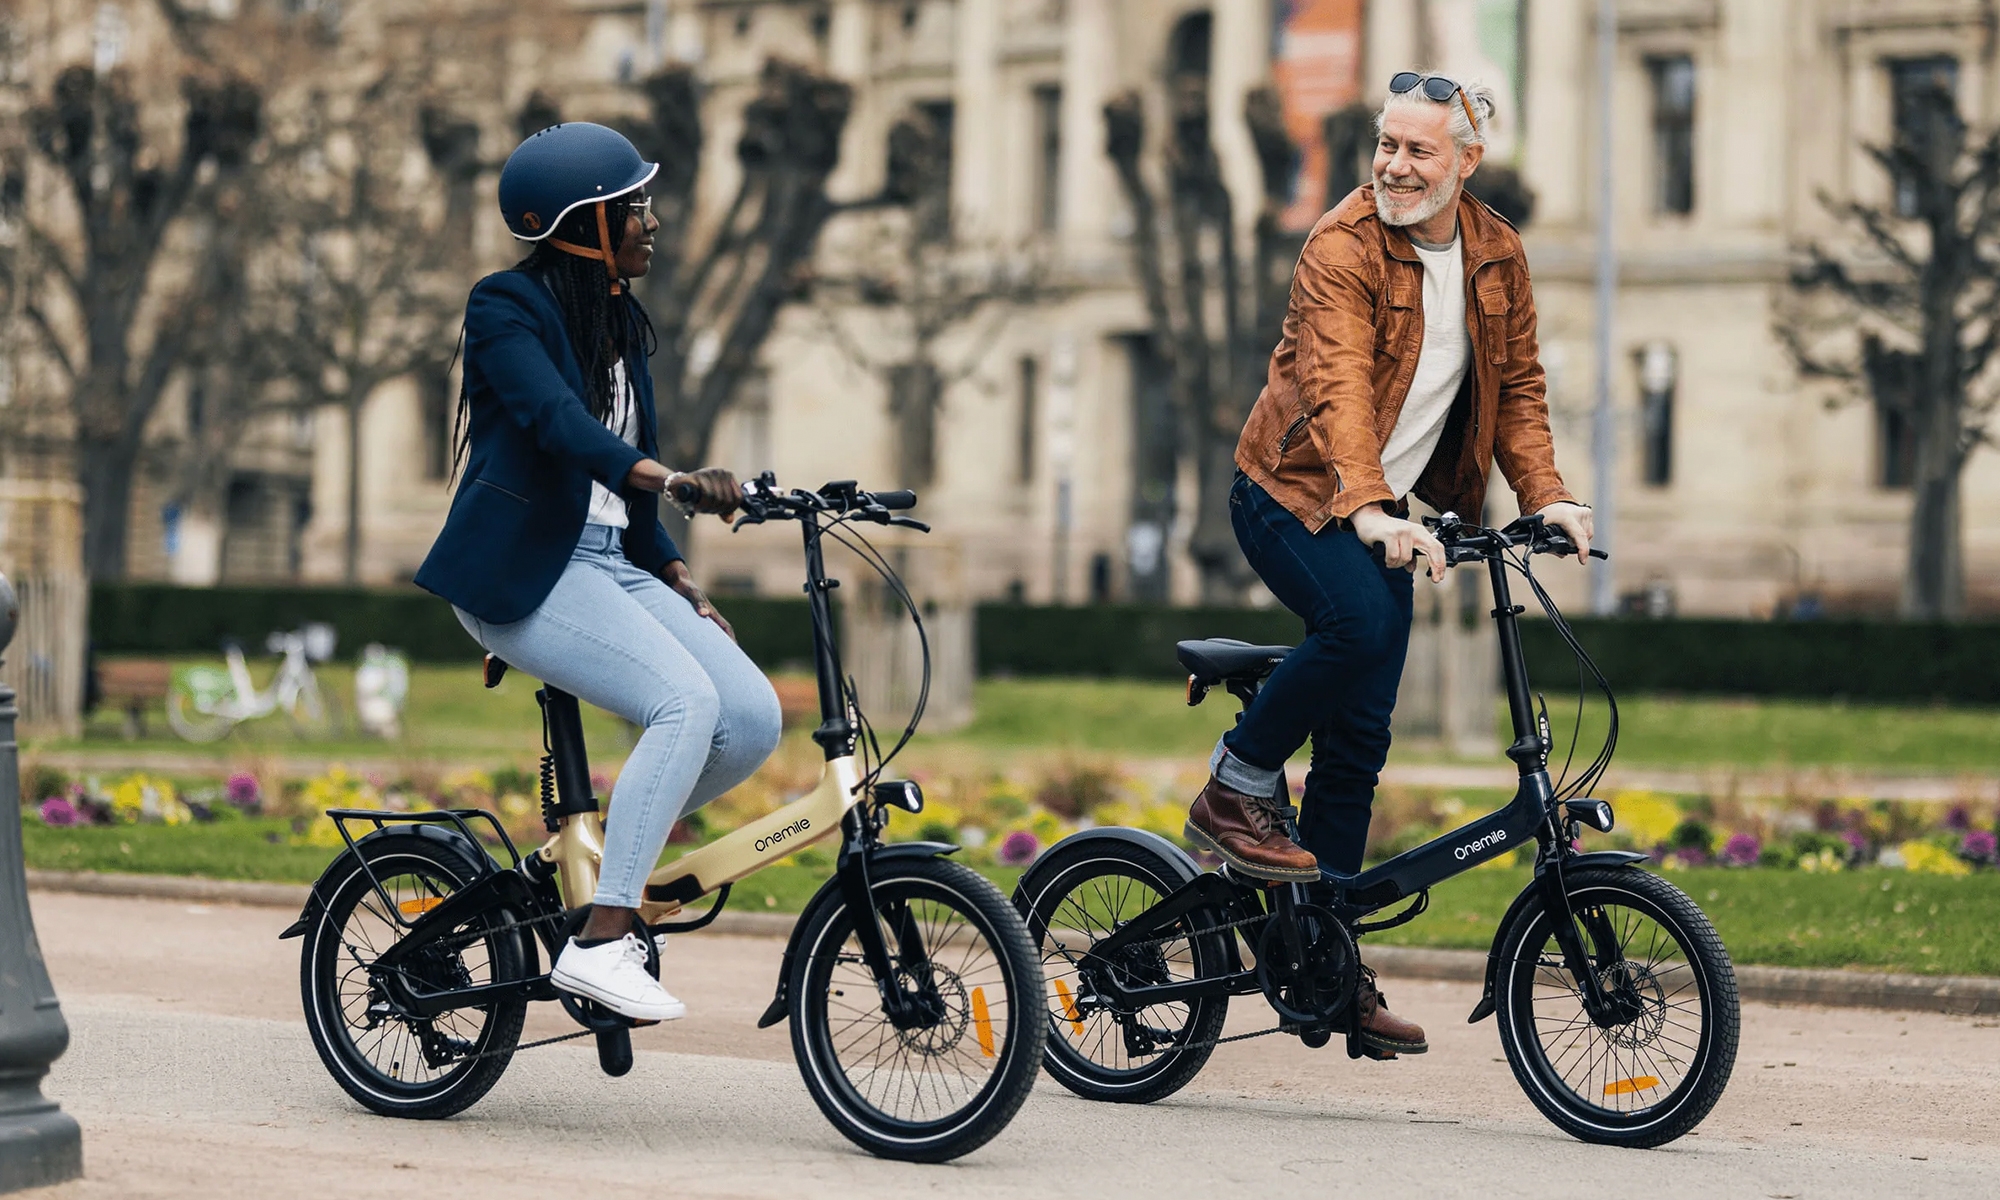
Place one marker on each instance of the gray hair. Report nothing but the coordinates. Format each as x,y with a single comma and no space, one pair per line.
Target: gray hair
1462,132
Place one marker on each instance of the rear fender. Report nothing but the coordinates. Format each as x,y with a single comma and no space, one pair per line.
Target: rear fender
829,895
343,865
1597,858
1177,859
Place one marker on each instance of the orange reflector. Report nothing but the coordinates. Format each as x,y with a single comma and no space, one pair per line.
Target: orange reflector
1069,1007
412,908
982,1024
1625,1087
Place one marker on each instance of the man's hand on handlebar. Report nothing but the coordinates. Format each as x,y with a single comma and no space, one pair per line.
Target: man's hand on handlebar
1574,521
1401,540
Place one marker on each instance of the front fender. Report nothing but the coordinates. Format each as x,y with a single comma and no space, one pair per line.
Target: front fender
829,893
1596,858
343,864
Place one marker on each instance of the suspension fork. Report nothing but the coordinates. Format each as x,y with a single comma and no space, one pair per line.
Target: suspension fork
1577,959
857,891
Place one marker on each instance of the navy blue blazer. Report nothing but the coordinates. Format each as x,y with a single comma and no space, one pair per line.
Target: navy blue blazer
522,502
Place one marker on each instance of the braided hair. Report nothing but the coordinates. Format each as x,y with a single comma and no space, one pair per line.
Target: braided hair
604,327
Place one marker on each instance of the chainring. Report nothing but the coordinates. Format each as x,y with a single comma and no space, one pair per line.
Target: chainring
1316,990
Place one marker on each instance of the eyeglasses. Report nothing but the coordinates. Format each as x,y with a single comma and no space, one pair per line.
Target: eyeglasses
640,206
1436,87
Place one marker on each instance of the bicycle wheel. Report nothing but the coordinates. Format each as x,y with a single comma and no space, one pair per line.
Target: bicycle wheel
399,1065
943,1085
315,714
1659,1067
1076,896
193,724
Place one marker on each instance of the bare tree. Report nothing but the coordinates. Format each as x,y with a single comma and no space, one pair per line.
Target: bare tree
714,304
1215,375
127,194
1913,321
916,286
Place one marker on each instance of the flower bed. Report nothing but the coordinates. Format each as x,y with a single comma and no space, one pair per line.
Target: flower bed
1008,819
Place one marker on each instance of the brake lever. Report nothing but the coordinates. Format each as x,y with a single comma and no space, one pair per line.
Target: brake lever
746,519
910,523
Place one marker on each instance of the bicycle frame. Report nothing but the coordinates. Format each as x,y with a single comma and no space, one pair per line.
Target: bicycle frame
1532,813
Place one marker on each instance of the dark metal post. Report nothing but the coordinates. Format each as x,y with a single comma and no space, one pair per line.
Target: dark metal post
39,1143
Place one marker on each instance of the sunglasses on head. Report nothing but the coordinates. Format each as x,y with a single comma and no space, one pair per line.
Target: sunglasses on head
1435,87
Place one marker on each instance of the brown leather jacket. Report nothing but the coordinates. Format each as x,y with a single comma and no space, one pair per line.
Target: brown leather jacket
1342,369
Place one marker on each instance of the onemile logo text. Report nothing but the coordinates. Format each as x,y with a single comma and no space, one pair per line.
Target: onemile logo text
1492,839
797,827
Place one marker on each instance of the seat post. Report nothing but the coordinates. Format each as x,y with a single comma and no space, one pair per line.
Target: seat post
562,727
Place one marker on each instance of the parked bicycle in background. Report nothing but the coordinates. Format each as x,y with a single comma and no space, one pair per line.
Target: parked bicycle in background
206,703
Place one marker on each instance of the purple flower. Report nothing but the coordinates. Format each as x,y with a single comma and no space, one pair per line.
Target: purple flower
243,791
1980,846
1741,850
1959,819
59,812
1857,844
1018,849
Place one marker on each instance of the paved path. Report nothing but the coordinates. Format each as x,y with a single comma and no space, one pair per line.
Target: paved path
192,1075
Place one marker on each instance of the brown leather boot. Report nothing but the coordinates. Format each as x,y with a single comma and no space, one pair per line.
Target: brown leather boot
1246,832
1383,1033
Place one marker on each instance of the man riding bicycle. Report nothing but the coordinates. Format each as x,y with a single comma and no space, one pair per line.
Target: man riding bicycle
1408,364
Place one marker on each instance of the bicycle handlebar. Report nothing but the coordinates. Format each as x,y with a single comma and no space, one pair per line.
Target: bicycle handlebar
1465,543
762,501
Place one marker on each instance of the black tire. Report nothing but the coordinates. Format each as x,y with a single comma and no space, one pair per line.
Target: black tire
388,1071
859,1073
1087,1051
1667,1066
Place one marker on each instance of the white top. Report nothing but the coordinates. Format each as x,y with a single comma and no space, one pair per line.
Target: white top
1441,362
606,506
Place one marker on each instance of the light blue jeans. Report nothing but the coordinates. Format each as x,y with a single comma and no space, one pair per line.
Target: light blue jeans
614,636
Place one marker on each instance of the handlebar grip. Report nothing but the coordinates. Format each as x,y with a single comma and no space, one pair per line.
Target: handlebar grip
1380,553
684,492
1600,554
903,498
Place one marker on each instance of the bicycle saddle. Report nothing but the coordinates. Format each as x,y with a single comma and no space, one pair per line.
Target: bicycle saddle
1215,660
493,670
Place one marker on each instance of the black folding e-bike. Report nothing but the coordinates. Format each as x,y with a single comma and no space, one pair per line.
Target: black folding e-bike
913,991
1616,1001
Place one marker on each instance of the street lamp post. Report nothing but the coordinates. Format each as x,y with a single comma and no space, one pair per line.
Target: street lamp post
39,1143
1603,420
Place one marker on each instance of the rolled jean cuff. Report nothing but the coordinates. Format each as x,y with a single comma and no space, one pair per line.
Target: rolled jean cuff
1237,775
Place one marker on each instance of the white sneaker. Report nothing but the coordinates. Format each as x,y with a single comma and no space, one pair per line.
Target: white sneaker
614,974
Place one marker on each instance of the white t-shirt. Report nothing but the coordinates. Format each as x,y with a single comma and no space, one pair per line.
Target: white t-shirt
1441,362
606,506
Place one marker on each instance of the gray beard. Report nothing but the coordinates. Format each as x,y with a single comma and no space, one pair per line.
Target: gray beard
1434,202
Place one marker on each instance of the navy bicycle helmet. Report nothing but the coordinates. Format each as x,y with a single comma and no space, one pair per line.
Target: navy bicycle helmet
563,167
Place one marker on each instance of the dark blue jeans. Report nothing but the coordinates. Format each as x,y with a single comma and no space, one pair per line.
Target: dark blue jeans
1337,688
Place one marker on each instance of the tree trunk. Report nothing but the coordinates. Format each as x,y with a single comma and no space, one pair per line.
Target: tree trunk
106,474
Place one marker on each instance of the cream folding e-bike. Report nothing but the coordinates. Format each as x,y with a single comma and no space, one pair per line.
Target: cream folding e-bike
913,990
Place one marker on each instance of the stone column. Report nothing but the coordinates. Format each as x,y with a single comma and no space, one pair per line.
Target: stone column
1239,60
848,59
39,1143
1392,40
1089,188
976,113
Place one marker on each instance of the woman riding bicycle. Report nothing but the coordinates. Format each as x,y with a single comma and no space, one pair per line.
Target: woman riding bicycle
553,556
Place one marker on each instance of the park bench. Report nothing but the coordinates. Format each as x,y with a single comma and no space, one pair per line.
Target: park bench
133,684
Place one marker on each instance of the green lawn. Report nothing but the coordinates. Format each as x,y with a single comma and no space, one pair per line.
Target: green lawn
1880,920
450,717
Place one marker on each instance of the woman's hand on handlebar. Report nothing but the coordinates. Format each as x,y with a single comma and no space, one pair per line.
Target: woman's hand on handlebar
676,576
1401,540
1574,521
709,490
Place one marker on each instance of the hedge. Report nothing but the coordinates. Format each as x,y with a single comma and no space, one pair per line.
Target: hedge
160,619
1859,660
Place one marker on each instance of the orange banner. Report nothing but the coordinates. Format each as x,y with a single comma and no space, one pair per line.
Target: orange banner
1316,61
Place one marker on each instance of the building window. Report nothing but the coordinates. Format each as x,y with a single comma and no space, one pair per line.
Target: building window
1030,413
1909,78
1673,133
1048,158
1658,376
1895,447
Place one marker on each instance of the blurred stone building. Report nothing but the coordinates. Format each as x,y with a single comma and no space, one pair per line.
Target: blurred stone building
1741,490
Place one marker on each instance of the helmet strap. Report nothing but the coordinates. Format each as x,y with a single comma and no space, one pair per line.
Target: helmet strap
601,251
